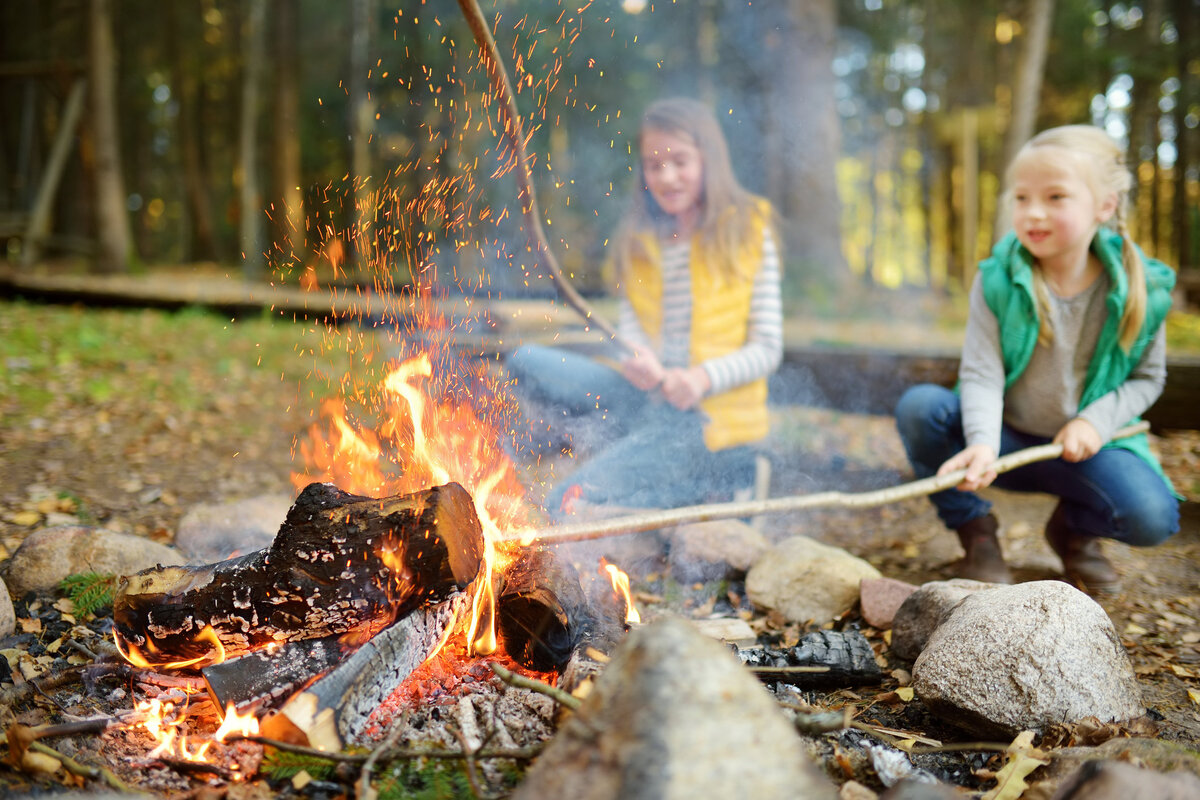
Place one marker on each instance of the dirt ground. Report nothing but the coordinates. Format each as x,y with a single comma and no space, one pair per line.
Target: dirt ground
139,470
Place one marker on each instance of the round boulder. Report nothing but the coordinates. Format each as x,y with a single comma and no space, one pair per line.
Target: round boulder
51,554
1026,657
807,581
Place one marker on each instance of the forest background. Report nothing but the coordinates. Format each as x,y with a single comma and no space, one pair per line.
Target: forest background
279,138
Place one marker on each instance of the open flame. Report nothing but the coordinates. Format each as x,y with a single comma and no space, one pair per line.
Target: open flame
620,584
428,432
238,723
149,657
164,721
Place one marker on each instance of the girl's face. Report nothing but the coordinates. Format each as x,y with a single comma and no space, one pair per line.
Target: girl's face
1055,212
674,170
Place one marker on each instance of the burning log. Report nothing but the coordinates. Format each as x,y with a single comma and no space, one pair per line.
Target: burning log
340,564
336,708
264,678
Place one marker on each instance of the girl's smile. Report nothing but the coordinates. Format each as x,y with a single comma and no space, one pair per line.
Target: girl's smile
674,171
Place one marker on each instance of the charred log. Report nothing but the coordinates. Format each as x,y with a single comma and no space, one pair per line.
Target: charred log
844,659
545,615
335,709
340,564
265,678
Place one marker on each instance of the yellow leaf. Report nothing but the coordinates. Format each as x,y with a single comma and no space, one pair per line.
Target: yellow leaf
1183,672
25,518
27,625
905,693
1133,629
1194,695
1023,758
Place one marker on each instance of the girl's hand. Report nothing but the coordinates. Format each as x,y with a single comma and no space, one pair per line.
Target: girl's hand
684,388
642,370
1080,440
977,461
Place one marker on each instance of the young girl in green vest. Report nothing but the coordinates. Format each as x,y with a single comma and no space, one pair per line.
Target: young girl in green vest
673,420
1064,344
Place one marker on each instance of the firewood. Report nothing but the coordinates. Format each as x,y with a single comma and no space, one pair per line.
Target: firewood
264,678
335,710
844,659
340,563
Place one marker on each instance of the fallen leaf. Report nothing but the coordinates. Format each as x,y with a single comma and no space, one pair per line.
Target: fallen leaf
25,518
905,693
1133,629
1194,695
28,625
1023,758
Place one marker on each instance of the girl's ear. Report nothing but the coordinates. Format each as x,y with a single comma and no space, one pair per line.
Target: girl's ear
1107,207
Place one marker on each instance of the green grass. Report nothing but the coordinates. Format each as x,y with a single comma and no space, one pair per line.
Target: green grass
57,356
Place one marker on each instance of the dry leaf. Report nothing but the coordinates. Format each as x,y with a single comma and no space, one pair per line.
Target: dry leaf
1133,629
1023,758
25,518
1194,696
28,625
905,693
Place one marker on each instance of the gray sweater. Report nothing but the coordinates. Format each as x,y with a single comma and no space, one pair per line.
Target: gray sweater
1047,394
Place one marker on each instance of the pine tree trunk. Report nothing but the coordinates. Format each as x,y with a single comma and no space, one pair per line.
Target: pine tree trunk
112,222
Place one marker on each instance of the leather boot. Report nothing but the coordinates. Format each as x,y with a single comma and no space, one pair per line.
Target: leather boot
1083,562
983,560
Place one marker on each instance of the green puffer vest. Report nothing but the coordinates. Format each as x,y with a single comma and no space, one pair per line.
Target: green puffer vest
1007,278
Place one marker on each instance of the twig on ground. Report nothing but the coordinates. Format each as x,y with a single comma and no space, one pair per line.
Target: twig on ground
518,754
654,520
469,763
521,682
84,770
364,791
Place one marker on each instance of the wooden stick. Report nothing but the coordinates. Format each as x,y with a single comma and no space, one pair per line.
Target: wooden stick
490,55
653,520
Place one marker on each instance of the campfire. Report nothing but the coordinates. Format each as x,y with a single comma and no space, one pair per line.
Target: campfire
397,578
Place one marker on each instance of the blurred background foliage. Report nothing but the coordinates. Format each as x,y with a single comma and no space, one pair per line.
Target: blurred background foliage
307,141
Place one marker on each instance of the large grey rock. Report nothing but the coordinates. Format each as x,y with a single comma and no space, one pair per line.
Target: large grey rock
1025,657
805,580
1118,780
674,716
51,554
704,551
8,616
215,532
923,610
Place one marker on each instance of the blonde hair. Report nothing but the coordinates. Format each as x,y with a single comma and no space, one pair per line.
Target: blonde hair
1101,164
726,207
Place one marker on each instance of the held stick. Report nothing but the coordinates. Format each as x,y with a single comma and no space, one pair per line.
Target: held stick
652,520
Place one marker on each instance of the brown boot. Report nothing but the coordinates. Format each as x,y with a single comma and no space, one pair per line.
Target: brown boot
983,560
1083,562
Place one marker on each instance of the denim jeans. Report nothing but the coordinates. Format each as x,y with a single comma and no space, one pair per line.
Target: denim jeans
647,452
1114,494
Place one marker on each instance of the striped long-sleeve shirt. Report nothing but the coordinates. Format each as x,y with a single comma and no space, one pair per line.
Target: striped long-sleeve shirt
757,358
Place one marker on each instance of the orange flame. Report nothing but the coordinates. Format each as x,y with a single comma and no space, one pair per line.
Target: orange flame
149,657
620,582
428,434
163,720
236,722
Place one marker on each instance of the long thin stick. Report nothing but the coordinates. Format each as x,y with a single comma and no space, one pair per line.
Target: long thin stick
512,127
653,520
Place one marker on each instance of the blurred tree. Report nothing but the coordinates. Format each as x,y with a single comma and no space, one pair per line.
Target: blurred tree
250,217
202,244
112,224
287,200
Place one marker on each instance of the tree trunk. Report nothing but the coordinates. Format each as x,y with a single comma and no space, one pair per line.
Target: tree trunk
289,215
1026,90
362,125
1183,212
250,203
112,222
202,244
801,83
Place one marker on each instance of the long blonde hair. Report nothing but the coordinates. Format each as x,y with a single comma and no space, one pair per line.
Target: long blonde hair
1102,167
726,207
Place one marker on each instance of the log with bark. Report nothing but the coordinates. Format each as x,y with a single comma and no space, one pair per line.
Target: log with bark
341,564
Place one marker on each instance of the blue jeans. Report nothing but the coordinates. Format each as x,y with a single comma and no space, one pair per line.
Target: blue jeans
648,453
1114,494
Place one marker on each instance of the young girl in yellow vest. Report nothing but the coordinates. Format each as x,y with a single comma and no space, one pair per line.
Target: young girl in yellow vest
673,423
1064,343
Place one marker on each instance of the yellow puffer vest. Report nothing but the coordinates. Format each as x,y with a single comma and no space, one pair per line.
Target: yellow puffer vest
720,316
